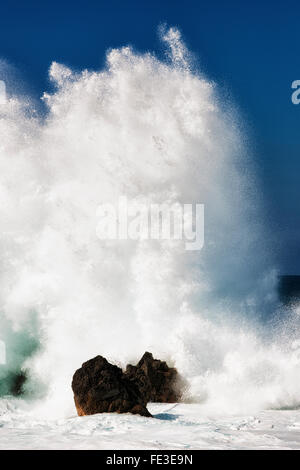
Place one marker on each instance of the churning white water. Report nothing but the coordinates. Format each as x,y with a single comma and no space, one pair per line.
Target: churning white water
154,131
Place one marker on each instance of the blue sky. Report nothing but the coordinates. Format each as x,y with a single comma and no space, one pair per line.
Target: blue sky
252,49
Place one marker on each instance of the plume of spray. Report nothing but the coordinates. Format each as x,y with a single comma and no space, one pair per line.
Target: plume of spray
154,131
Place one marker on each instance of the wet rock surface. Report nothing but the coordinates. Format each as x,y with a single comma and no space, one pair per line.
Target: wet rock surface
156,381
101,387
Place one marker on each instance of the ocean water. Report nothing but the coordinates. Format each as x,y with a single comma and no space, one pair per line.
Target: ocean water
154,130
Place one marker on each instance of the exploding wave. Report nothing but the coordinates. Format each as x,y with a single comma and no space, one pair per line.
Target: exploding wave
154,131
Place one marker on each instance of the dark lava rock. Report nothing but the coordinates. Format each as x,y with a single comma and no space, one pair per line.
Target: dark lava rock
101,387
156,381
18,381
